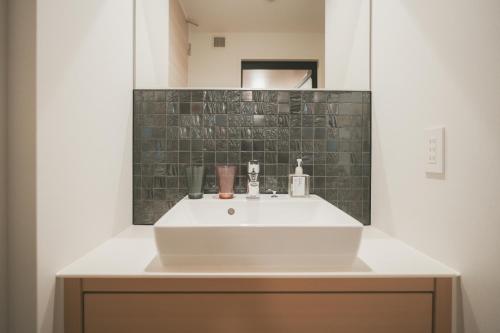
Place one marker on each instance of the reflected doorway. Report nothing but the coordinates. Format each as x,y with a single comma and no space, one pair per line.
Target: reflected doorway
266,74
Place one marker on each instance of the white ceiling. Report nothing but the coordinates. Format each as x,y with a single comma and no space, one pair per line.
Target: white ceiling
256,15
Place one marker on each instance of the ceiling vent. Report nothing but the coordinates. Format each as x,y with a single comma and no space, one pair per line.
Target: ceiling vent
219,41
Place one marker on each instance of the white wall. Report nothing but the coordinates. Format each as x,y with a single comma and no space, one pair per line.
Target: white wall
69,144
152,26
437,63
84,134
212,67
3,165
178,46
347,44
21,183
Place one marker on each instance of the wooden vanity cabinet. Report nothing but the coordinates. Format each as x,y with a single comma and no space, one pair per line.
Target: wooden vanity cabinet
260,305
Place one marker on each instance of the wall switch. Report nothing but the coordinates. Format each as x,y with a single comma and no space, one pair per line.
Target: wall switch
434,149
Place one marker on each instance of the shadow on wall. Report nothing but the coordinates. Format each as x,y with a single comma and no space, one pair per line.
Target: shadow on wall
380,183
463,305
123,193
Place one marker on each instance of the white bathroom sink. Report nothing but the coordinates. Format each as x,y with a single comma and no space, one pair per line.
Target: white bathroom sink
268,231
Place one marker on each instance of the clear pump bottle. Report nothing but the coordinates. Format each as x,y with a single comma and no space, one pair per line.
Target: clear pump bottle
298,183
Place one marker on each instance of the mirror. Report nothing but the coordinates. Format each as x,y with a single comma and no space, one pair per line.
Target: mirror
252,44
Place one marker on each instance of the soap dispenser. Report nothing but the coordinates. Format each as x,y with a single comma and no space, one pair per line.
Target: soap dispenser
298,183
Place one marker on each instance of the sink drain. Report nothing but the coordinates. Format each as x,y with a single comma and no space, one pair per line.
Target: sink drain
231,211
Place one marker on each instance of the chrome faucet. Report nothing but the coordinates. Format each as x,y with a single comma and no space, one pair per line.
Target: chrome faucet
253,179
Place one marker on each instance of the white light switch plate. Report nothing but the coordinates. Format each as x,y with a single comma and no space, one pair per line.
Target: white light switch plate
434,150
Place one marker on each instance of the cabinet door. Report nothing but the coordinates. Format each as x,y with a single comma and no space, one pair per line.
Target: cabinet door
258,313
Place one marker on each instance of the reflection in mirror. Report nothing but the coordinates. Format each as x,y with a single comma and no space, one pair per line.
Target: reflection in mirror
204,43
277,79
250,29
279,74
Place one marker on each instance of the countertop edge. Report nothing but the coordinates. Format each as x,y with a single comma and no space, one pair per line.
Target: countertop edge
254,275
88,267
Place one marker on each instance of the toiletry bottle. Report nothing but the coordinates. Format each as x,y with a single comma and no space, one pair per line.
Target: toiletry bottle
253,179
298,183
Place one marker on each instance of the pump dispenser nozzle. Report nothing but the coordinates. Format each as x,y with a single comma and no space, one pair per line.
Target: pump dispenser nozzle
299,170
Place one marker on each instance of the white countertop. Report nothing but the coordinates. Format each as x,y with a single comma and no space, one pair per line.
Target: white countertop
133,254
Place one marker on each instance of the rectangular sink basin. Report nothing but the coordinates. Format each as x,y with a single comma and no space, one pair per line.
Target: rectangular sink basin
268,231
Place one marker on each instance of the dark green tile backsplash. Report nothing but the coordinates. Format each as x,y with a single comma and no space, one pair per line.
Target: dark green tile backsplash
331,130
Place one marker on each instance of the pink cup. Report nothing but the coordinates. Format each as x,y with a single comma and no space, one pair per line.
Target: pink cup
225,180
